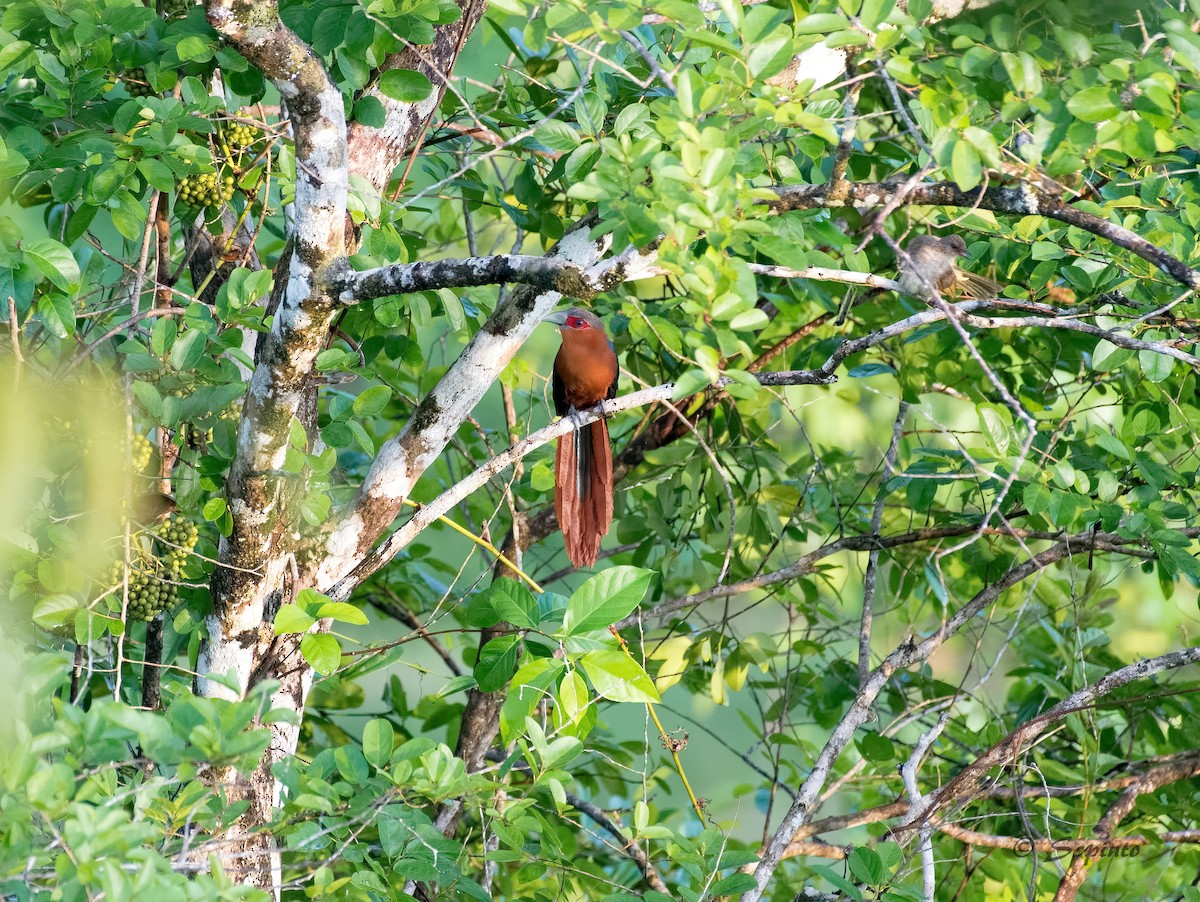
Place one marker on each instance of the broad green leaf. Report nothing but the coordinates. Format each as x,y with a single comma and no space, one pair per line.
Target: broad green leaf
1094,104
605,598
866,866
292,619
378,739
189,349
497,662
12,52
55,611
57,312
965,166
372,401
321,651
54,261
821,23
1157,367
342,612
875,12
618,677
531,684
351,764
194,48
996,424
405,85
511,602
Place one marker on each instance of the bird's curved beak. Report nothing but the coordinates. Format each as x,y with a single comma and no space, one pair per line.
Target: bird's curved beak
558,317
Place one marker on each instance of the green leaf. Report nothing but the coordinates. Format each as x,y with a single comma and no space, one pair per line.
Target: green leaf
1106,356
839,881
1024,71
321,651
1157,367
875,12
151,401
733,885
866,866
372,401
342,612
531,684
821,23
965,166
511,602
57,312
1111,443
292,619
1094,104
370,112
162,336
55,611
497,662
996,424
12,52
55,262
605,598
618,677
351,764
195,49
189,349
541,477
158,174
876,747
1185,44
378,738
818,125
405,85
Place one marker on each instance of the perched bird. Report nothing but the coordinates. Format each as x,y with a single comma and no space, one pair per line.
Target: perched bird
933,260
152,507
585,373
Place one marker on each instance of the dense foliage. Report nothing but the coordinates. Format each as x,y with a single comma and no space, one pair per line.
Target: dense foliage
978,528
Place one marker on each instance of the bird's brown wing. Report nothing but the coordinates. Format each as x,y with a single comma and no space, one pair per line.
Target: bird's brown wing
977,287
558,389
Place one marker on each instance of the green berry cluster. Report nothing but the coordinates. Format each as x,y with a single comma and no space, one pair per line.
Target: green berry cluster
176,9
147,593
153,578
135,82
206,189
236,138
179,538
141,452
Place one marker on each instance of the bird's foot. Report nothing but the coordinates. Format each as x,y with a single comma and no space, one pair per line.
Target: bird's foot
576,417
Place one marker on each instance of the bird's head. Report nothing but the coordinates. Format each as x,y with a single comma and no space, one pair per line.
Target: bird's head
575,319
956,244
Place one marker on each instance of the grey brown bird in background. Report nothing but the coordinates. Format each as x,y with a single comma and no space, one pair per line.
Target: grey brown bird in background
933,260
152,507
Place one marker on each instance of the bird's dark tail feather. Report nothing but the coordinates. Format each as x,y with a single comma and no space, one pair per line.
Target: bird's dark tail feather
583,496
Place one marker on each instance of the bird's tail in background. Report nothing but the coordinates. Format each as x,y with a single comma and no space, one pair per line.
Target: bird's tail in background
583,493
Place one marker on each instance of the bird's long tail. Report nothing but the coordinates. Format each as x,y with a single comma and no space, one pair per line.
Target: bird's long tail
583,495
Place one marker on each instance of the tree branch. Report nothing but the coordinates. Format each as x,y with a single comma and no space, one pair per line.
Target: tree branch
429,513
358,565
904,656
1024,199
404,458
967,782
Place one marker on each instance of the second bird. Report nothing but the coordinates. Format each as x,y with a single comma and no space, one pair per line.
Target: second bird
585,373
933,262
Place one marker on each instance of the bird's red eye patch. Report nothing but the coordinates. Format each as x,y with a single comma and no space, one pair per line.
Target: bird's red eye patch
577,322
